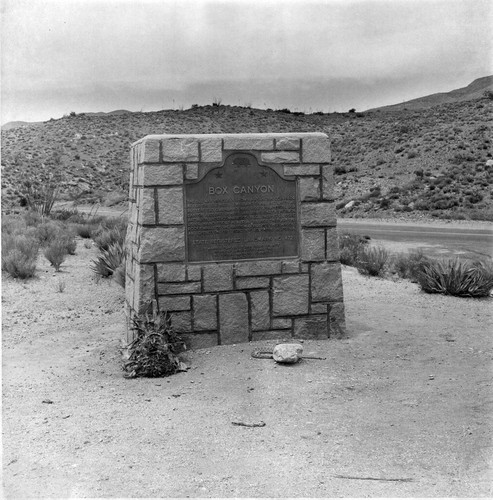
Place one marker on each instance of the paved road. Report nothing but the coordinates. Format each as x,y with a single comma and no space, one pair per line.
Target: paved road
444,240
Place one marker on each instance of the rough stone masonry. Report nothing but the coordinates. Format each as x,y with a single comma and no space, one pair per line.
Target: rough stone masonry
235,236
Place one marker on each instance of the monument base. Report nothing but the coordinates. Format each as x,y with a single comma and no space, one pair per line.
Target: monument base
235,236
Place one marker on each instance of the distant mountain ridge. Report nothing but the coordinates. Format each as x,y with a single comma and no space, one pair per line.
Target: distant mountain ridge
474,90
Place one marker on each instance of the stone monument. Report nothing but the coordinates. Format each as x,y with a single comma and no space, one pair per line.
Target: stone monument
235,236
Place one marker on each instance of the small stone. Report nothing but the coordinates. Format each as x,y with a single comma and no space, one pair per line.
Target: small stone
287,353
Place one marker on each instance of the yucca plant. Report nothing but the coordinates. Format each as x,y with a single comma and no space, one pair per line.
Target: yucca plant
153,351
109,260
462,278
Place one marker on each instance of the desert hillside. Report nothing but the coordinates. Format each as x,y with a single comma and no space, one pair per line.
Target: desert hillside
436,161
475,90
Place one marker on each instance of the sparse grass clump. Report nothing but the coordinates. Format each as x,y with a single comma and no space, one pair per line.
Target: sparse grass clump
456,277
152,353
371,261
350,245
408,266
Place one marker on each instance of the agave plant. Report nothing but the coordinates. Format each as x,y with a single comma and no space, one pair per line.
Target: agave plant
457,277
152,352
109,260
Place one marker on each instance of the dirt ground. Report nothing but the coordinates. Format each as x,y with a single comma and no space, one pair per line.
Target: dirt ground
401,408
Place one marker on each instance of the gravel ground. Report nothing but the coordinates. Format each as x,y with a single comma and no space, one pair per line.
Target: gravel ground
401,408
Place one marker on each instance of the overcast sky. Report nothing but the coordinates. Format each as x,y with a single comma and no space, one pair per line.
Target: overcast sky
60,56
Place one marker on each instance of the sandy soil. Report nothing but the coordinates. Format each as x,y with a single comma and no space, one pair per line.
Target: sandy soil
405,400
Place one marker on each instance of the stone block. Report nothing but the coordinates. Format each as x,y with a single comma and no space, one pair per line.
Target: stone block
162,244
218,277
318,214
171,272
311,327
287,143
318,308
326,282
260,310
290,267
269,335
290,295
328,192
194,273
149,151
179,303
233,318
252,143
211,150
181,322
191,171
280,323
337,320
205,312
170,205
129,290
144,294
162,175
313,244
178,288
147,206
316,150
281,157
180,149
247,283
309,188
200,340
332,245
258,268
301,170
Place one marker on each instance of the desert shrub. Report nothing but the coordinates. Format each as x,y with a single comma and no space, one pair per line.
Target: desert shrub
48,232
39,193
371,261
109,260
64,214
56,252
85,230
12,224
350,245
152,352
408,266
19,255
457,277
70,243
32,218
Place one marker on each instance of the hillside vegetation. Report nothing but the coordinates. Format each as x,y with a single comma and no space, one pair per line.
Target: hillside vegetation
436,161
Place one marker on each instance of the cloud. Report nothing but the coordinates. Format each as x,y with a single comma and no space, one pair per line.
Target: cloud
123,53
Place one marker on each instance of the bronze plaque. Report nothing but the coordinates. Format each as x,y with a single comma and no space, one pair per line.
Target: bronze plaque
241,211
